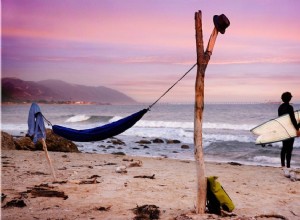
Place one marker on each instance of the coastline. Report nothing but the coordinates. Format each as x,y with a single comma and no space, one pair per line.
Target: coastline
255,190
227,136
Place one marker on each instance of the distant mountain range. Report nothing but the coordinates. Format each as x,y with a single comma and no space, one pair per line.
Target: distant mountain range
57,91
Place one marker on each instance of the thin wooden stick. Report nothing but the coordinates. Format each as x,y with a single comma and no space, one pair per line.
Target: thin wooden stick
48,158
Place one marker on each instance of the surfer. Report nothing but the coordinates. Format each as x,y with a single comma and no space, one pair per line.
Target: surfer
287,145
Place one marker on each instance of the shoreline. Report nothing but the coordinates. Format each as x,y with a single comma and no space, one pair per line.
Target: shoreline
175,149
255,190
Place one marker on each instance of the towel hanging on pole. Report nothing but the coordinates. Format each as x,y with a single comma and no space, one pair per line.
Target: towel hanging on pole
37,130
36,126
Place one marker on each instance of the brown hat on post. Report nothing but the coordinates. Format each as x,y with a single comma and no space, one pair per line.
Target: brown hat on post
221,23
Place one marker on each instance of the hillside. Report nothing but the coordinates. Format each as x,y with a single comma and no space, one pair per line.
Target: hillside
17,90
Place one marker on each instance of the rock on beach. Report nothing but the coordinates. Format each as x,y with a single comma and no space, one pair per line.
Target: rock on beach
53,142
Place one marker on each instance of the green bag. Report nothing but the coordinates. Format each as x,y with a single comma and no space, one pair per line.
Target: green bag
217,198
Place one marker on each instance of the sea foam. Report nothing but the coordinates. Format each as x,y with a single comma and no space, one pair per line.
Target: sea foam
78,118
187,125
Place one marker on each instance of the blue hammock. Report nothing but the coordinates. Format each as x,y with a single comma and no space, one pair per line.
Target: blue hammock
99,133
108,130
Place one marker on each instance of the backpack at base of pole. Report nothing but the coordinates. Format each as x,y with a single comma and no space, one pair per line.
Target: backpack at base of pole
217,199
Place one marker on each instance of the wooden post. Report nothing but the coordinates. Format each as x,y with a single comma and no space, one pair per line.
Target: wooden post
48,158
202,61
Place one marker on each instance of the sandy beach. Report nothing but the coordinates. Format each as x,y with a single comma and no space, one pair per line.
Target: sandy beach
89,187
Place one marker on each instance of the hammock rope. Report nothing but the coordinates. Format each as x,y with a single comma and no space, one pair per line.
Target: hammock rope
150,106
48,122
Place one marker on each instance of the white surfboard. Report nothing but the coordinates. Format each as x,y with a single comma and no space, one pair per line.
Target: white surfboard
277,129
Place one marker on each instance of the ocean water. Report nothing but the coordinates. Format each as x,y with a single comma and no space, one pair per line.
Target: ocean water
226,130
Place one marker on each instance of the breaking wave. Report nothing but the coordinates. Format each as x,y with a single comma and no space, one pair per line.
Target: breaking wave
88,118
187,125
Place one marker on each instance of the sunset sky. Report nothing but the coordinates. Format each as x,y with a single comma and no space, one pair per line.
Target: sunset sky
142,47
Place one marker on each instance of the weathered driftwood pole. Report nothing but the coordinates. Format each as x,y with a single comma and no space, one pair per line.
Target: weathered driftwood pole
202,61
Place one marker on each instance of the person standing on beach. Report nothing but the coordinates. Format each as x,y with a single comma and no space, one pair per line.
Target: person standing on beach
287,145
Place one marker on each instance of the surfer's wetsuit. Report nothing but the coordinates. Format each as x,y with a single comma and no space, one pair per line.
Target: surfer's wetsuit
287,145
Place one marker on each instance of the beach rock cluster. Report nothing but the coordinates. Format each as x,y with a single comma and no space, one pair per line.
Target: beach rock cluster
7,141
24,143
57,143
53,142
158,141
116,146
144,143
